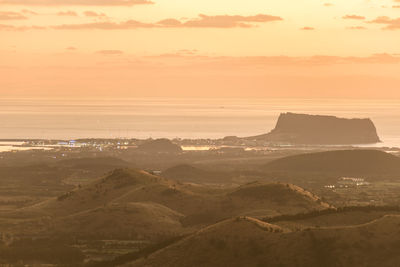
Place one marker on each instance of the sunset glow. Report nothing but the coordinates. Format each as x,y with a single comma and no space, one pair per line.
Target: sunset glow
181,49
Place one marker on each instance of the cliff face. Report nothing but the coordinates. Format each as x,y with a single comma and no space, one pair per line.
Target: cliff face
324,130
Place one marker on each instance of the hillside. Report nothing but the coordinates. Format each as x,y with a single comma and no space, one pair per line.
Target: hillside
294,128
133,221
102,209
272,198
248,242
159,146
188,173
102,203
343,162
347,216
100,192
223,244
99,164
255,199
199,204
58,175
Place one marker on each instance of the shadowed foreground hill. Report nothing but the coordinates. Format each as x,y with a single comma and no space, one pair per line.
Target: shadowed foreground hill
249,242
343,162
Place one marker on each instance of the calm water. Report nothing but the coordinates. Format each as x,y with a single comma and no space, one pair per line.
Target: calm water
185,118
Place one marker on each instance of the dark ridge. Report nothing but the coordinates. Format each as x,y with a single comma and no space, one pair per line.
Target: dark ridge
159,146
343,162
317,213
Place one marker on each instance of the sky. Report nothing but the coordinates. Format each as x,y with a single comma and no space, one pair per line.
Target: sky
208,48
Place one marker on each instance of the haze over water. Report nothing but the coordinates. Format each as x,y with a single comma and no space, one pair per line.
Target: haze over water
183,118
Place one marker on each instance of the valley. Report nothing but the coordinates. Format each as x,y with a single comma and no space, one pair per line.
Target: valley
109,208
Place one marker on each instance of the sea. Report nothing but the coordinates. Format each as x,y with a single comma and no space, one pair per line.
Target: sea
69,119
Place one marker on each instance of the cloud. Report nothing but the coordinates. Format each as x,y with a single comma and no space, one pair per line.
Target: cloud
94,14
317,60
29,12
9,15
110,52
170,23
328,4
391,24
226,21
130,24
353,17
375,76
307,29
67,13
4,27
357,28
7,27
183,54
70,48
76,2
203,21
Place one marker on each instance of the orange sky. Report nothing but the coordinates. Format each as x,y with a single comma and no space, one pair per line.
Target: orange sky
221,48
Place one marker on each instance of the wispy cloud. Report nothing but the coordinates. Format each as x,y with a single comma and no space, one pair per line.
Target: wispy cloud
9,15
28,12
67,13
130,24
94,14
391,24
76,2
357,28
307,29
287,60
226,21
110,52
203,21
354,17
4,27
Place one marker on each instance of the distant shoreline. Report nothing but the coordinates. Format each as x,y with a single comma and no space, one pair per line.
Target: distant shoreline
186,144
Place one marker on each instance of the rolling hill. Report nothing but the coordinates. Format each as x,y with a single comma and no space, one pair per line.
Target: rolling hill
272,198
342,162
99,193
188,173
152,204
159,146
248,242
133,221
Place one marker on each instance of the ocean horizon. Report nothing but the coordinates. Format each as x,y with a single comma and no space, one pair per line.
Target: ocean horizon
179,118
